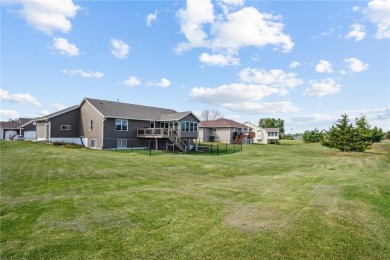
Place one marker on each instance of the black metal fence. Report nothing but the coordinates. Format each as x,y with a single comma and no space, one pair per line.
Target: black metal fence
215,148
157,146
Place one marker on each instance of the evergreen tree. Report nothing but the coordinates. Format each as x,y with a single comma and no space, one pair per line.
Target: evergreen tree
313,136
345,137
340,135
377,134
362,135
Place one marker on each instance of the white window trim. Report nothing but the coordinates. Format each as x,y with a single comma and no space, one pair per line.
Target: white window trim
121,141
122,125
65,127
92,141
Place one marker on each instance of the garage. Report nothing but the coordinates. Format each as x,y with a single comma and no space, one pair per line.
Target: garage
7,133
30,135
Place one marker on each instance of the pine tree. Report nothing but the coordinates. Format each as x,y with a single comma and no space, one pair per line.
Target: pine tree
339,135
362,135
345,137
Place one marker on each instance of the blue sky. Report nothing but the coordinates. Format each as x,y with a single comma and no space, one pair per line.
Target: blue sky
306,62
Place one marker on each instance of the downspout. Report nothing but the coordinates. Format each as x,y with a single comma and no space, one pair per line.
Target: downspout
82,142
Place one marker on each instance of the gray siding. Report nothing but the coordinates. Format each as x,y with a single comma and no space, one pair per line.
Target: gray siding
131,133
190,135
88,113
69,118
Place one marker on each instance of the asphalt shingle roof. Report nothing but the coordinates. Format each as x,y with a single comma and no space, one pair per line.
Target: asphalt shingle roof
57,113
222,122
14,125
132,111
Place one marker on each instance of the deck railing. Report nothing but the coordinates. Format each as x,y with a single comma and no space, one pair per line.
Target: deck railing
152,132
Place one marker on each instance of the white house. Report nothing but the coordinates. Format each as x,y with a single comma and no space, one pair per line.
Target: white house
263,135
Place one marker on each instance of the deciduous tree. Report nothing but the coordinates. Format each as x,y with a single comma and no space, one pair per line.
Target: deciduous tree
272,122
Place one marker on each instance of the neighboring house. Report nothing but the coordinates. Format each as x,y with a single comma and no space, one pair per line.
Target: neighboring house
21,127
263,135
103,124
61,126
223,130
273,135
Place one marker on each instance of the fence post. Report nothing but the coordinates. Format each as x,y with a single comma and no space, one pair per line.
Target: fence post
150,147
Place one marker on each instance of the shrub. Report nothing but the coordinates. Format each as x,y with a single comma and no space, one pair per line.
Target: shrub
346,137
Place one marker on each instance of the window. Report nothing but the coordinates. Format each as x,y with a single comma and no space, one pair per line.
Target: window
65,127
93,143
90,125
189,126
121,125
152,125
121,143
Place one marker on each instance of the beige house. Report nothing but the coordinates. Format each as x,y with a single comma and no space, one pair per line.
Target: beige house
223,130
263,135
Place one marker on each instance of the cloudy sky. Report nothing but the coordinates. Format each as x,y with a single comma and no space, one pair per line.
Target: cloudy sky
306,62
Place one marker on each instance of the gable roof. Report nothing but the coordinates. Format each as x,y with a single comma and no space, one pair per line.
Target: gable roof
14,125
222,122
274,129
57,113
114,109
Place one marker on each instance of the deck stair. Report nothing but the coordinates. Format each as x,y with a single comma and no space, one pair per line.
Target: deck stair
175,139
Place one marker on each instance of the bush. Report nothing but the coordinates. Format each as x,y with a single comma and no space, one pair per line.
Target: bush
346,137
313,136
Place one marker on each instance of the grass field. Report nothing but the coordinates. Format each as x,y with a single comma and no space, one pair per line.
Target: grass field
288,201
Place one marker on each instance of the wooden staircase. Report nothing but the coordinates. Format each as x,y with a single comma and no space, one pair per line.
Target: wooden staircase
175,139
240,136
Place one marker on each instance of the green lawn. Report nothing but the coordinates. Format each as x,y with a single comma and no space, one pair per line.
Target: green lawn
288,201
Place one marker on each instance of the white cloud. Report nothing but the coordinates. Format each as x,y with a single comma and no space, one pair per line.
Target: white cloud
119,49
322,88
150,18
19,98
83,74
65,47
378,12
383,113
355,65
358,32
273,78
314,118
241,97
43,113
58,106
230,31
356,8
164,83
8,114
132,81
236,92
219,59
259,107
324,67
48,16
294,64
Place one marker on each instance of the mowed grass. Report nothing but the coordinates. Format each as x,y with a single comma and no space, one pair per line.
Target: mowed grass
288,201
